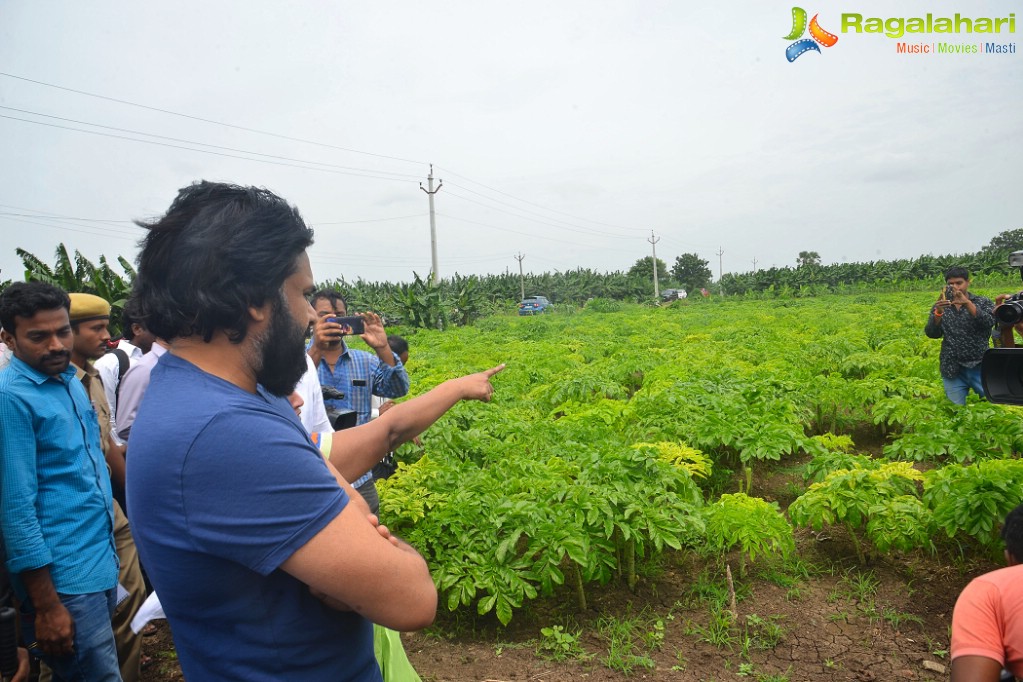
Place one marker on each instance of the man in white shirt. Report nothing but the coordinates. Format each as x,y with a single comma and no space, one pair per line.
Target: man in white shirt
135,342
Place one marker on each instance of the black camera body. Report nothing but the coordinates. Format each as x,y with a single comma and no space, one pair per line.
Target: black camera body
1001,371
1011,309
339,418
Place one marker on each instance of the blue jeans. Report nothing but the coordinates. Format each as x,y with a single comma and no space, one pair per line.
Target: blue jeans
95,655
957,388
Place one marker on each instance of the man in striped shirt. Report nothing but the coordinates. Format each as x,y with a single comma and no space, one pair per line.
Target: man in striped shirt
356,374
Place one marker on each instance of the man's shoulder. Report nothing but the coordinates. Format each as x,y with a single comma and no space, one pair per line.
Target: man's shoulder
108,361
15,381
976,298
1008,579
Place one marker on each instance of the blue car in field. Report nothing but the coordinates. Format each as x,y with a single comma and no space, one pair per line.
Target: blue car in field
534,305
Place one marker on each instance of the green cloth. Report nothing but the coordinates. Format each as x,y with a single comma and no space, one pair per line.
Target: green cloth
390,654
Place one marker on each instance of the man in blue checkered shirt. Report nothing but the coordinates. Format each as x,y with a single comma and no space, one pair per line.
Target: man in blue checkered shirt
356,374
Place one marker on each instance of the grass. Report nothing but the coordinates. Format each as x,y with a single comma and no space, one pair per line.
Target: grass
896,619
621,635
718,631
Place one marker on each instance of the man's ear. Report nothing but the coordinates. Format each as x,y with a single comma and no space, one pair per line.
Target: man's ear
260,314
7,338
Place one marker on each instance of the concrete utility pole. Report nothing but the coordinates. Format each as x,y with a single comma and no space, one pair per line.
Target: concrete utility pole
721,252
522,282
433,222
653,243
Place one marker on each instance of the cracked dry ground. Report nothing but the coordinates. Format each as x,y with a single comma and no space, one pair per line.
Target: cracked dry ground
836,620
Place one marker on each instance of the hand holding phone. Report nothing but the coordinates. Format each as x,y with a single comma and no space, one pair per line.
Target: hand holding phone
352,324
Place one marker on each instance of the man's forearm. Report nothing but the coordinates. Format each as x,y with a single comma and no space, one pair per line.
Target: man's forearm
39,586
316,354
354,451
115,456
407,420
386,355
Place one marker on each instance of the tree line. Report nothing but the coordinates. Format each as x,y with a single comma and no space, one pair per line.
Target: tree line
458,300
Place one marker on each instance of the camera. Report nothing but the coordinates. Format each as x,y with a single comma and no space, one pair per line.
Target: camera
339,418
1001,371
1011,309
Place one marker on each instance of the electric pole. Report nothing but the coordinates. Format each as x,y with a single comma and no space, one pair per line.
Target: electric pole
430,191
721,252
522,282
653,243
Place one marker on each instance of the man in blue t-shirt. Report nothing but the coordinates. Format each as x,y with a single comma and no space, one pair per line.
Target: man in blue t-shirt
268,565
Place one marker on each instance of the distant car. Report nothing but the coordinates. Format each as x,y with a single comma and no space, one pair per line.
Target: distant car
673,294
534,305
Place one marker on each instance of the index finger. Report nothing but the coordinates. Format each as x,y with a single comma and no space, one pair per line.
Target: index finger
494,370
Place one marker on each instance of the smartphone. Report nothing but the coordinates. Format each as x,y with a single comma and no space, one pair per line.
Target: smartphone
356,323
950,292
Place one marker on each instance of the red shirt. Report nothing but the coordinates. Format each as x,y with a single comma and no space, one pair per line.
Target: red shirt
988,619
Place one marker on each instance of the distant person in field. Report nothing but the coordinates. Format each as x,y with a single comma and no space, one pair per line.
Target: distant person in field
987,624
963,323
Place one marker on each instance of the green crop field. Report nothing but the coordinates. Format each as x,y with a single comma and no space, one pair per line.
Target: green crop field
621,432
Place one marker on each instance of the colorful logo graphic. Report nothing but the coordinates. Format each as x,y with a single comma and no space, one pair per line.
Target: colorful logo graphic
817,35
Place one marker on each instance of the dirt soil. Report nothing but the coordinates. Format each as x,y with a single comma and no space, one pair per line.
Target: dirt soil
823,616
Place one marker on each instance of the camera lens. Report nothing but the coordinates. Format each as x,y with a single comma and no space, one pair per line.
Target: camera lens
1009,312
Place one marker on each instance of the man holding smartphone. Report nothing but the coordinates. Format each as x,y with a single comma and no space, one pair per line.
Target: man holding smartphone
963,322
356,374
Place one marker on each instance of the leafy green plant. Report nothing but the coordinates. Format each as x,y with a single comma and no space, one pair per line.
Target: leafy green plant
557,644
880,501
603,305
750,524
974,499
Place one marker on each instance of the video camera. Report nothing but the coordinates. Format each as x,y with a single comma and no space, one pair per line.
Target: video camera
339,419
1001,371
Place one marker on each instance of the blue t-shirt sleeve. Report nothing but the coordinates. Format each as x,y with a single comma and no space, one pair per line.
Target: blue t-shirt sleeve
255,490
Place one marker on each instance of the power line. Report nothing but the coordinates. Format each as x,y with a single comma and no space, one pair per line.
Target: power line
552,210
506,229
201,151
34,213
207,120
23,221
368,220
582,229
204,144
522,217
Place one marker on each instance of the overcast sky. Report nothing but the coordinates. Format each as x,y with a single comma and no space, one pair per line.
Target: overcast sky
563,130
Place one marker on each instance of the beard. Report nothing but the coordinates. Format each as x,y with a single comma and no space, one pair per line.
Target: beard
281,352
